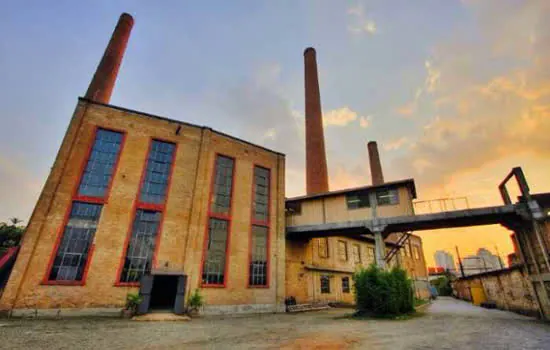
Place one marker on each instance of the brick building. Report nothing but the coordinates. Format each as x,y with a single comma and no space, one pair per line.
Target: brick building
137,202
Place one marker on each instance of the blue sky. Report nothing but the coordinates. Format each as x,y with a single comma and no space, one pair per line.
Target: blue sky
444,86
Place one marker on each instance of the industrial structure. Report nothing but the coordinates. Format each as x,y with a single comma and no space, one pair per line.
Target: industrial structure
141,203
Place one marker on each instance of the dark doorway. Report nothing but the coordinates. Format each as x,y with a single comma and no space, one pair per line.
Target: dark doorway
163,294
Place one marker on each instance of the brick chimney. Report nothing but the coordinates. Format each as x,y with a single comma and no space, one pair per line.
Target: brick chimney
103,82
375,166
316,159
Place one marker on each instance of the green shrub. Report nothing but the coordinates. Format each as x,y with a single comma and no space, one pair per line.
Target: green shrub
132,301
383,293
196,301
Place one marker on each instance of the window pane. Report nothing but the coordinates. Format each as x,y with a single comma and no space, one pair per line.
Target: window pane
78,236
325,284
258,264
223,182
100,166
387,197
139,255
345,284
323,247
213,269
261,194
342,250
357,200
356,254
159,165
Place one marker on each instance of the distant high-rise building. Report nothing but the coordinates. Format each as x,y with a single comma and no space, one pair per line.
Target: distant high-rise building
445,260
483,261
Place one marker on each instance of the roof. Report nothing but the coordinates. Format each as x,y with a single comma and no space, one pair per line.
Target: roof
407,182
177,122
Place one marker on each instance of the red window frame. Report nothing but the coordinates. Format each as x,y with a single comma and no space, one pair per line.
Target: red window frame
75,197
138,204
212,215
266,224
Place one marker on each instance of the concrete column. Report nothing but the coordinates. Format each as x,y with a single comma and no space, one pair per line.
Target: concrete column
379,249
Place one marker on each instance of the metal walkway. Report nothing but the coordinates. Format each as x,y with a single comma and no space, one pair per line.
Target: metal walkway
504,215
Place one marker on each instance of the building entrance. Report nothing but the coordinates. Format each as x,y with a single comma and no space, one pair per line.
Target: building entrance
164,292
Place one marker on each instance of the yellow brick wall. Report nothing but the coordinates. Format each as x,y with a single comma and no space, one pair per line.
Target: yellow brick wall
183,230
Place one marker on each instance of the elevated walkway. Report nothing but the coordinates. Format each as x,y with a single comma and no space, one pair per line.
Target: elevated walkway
505,215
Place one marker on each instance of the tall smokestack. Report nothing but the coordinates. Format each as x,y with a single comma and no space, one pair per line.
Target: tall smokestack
316,159
375,166
103,82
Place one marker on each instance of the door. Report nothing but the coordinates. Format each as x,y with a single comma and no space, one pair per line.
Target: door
179,305
146,286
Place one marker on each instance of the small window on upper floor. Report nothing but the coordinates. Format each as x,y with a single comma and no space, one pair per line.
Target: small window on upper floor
323,247
294,208
416,251
387,197
342,250
357,200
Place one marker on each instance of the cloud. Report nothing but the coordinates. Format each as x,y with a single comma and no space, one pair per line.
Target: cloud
359,21
364,122
344,116
485,112
395,144
429,86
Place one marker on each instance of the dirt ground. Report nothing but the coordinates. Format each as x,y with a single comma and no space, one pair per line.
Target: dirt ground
446,324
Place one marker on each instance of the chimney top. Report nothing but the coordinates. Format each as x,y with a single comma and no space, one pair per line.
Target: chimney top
309,50
103,81
375,165
127,18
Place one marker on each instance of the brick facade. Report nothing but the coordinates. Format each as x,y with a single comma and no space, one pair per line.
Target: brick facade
184,221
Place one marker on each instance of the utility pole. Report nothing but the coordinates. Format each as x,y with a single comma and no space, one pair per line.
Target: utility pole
460,262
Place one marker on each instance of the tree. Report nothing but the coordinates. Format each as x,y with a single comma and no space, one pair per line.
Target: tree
10,234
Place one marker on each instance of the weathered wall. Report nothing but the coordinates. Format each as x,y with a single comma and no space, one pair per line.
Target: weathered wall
510,289
184,223
334,209
305,265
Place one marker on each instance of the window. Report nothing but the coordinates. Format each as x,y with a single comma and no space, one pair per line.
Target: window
325,284
258,263
387,197
215,250
101,163
323,247
294,208
345,284
213,271
261,194
357,200
342,250
356,254
76,242
223,182
77,238
416,251
157,173
372,252
139,256
141,247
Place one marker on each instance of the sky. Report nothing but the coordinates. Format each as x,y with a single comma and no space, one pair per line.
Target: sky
456,93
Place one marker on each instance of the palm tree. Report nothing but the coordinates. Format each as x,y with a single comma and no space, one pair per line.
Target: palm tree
14,221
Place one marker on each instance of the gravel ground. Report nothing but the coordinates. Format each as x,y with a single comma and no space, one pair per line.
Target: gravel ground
446,324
